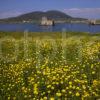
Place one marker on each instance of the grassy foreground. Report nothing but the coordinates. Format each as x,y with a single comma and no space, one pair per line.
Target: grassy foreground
49,66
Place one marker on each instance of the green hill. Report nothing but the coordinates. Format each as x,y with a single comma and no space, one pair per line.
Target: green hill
37,15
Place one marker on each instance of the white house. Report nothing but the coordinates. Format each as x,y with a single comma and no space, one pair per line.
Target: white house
45,21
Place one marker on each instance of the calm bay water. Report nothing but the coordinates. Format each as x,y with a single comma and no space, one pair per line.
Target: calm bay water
58,27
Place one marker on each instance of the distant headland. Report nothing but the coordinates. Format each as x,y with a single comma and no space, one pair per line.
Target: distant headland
35,17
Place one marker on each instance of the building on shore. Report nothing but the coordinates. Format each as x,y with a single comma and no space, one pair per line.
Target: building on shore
92,22
46,22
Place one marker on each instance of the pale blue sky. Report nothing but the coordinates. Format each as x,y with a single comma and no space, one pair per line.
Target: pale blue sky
76,8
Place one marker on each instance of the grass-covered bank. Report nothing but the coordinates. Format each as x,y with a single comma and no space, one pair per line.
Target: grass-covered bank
49,66
56,35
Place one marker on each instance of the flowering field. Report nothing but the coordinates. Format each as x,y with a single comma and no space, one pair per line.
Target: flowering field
36,68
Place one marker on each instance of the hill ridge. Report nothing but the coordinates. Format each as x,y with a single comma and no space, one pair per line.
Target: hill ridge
37,16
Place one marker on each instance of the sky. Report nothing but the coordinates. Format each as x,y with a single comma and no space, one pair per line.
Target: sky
76,8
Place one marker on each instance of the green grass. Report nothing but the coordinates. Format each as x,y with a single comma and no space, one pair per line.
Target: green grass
43,34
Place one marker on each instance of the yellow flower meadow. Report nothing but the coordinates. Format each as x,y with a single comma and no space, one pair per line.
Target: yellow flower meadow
51,72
